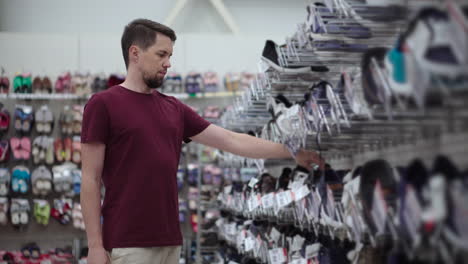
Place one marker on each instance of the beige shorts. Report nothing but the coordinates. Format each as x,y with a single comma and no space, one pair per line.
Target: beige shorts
153,255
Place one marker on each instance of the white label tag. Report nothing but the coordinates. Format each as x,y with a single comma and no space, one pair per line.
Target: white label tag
231,229
277,255
301,193
275,235
249,244
312,250
297,244
252,182
228,189
283,198
268,200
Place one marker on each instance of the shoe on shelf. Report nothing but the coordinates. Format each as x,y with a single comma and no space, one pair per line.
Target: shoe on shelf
271,57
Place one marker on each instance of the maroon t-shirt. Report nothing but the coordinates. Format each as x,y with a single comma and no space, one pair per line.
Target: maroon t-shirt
143,134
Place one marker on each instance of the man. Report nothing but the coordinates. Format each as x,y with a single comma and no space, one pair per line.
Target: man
132,137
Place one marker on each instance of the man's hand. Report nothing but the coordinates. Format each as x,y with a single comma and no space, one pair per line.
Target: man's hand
307,158
98,256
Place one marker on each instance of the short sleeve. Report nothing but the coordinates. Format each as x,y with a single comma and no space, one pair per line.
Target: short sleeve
193,123
95,125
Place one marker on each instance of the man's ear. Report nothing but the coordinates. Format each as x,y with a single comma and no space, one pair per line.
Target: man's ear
133,53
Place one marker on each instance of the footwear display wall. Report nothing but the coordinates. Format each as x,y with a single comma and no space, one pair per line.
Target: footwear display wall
379,90
40,172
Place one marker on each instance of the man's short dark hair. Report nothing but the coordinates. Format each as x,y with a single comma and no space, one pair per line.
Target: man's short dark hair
142,32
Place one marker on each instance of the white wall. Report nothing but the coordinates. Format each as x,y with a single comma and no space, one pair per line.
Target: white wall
52,36
110,16
52,54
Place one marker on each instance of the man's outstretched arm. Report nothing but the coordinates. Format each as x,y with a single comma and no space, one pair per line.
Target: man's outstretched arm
252,147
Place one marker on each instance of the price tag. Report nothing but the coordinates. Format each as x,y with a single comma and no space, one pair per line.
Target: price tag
301,193
297,243
295,185
284,198
249,244
379,208
228,189
275,235
219,222
277,255
312,251
268,200
252,182
231,229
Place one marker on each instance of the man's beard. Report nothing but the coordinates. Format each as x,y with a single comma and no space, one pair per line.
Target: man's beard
153,82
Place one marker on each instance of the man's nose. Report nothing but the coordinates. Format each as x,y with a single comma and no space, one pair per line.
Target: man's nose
167,64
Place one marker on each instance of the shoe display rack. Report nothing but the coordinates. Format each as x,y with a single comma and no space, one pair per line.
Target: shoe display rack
379,90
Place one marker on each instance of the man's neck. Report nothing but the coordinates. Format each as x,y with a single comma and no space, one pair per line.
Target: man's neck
135,83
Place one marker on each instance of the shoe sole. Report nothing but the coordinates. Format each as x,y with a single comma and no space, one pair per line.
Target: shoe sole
286,70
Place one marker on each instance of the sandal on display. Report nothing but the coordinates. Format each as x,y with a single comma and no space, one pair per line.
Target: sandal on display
63,83
78,222
66,120
20,177
22,83
42,211
62,211
4,83
59,150
24,118
76,174
4,119
68,147
41,179
76,149
19,212
21,148
3,211
44,120
77,118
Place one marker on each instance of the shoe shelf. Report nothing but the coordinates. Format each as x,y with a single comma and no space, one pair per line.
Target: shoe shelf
45,96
